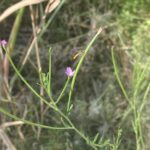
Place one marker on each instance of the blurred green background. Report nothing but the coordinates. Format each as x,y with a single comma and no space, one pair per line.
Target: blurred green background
99,103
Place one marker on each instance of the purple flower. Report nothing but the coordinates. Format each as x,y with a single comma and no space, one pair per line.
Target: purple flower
3,42
69,72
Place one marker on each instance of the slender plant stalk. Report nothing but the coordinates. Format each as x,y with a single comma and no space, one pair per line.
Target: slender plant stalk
79,65
39,66
14,31
63,91
118,78
33,123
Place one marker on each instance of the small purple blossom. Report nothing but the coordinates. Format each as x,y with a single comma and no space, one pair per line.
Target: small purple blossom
3,42
69,72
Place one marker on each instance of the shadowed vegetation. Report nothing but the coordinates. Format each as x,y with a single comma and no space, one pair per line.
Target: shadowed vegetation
104,107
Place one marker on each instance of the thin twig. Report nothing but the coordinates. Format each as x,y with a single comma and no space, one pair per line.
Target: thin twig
8,124
38,62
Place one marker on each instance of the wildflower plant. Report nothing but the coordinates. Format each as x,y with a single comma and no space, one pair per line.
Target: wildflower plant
117,96
52,103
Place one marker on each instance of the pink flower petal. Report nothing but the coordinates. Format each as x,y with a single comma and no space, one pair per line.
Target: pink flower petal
69,72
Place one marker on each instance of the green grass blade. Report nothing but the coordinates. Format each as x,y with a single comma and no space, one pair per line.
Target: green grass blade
79,65
117,76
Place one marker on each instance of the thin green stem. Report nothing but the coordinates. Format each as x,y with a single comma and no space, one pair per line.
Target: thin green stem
118,78
49,73
79,65
28,85
15,29
63,90
33,123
